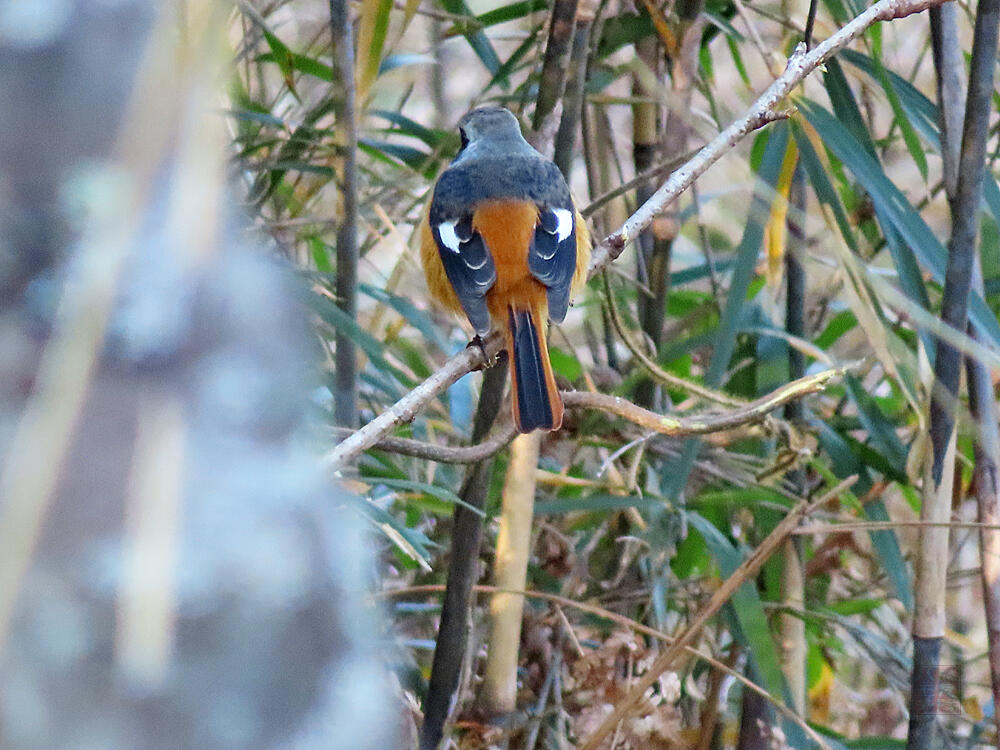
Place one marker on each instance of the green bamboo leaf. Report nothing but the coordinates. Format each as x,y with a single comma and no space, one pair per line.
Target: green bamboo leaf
304,166
837,326
842,102
441,493
920,110
406,126
302,63
413,315
502,75
402,60
875,743
909,135
595,503
373,26
845,463
734,52
415,543
413,158
896,208
857,606
826,194
478,40
506,13
746,608
991,193
263,118
881,431
621,30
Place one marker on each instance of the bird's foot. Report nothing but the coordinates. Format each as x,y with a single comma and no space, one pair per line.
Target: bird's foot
477,341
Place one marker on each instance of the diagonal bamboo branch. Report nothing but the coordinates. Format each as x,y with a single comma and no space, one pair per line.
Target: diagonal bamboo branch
763,111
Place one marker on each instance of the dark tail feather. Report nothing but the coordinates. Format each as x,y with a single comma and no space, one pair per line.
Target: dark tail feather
537,405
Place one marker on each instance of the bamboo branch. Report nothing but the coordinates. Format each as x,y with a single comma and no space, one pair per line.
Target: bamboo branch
793,647
762,112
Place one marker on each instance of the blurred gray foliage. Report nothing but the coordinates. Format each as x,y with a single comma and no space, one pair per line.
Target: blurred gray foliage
271,643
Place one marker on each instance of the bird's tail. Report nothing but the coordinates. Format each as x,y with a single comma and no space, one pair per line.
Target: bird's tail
537,405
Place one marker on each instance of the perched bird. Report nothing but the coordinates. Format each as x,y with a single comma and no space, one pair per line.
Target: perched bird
502,243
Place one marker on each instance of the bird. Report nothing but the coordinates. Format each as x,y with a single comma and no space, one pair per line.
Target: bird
502,243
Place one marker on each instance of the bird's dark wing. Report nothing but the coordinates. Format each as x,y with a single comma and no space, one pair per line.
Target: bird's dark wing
468,265
552,257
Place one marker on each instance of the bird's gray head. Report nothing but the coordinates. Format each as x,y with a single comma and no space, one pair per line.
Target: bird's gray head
489,131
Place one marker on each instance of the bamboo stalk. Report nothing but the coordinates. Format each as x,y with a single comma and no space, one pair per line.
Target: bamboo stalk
930,616
345,397
467,532
550,84
793,629
498,694
646,116
573,97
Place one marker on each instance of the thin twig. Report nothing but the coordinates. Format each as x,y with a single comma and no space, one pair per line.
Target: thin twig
654,171
751,413
657,372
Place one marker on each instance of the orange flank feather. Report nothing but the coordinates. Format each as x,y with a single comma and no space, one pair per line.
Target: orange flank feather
517,302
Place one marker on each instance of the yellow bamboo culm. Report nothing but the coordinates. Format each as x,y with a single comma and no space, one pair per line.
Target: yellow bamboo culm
498,693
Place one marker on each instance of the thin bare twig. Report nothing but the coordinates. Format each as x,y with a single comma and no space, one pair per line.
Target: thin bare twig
657,372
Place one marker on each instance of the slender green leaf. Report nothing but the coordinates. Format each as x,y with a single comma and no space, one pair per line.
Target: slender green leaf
441,493
913,144
592,503
888,198
478,40
414,316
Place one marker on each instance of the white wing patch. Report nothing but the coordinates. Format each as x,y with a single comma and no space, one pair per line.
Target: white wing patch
446,229
564,228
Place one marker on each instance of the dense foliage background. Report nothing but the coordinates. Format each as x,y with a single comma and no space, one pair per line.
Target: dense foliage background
819,241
